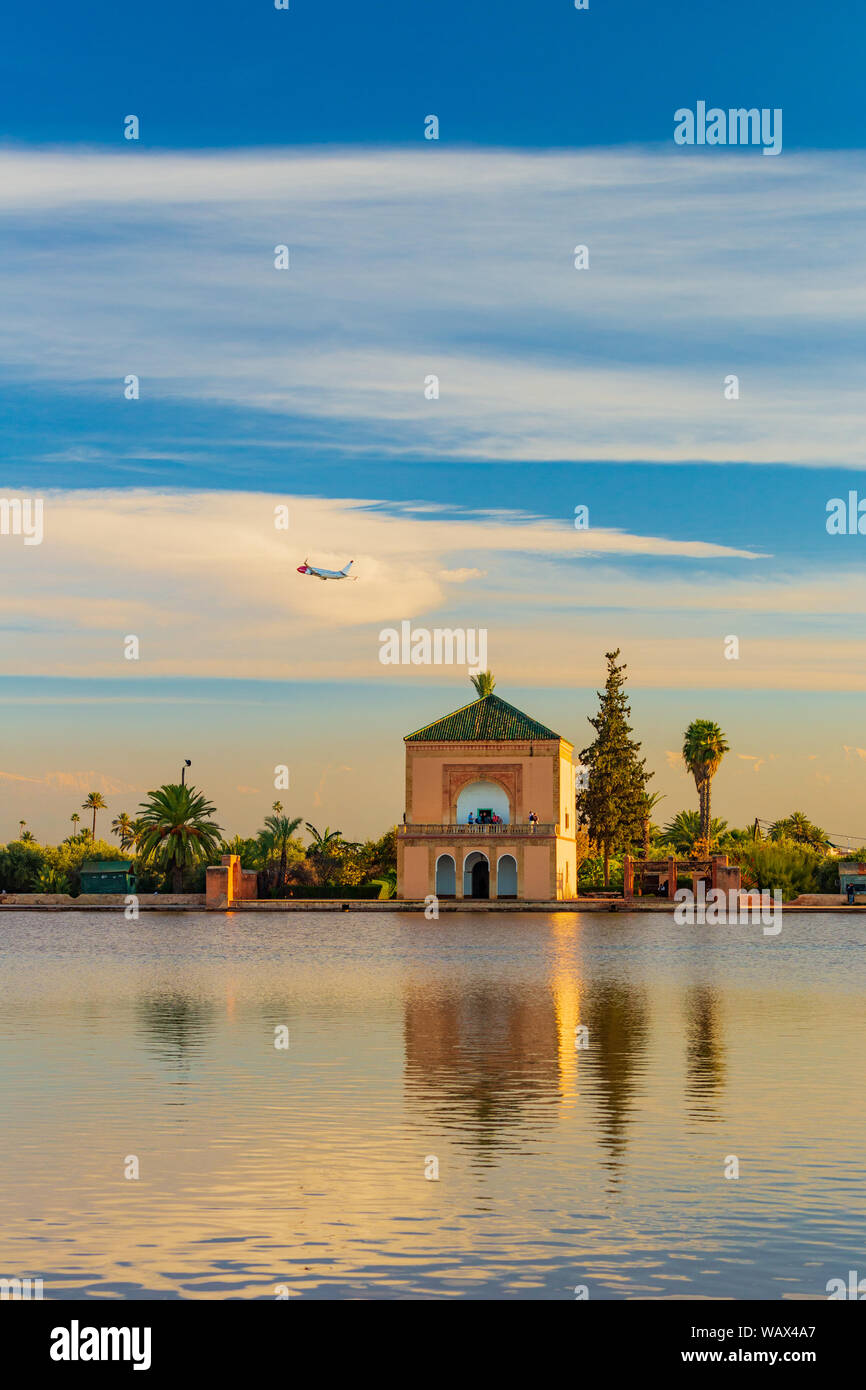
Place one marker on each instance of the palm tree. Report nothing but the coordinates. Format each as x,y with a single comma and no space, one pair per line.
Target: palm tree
685,835
21,826
176,831
94,803
324,843
244,849
704,746
27,837
799,828
124,829
483,683
275,839
75,818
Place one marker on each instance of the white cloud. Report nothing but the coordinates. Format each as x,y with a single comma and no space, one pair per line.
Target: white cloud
210,587
458,265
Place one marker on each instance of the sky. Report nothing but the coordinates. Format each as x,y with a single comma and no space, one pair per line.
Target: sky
308,390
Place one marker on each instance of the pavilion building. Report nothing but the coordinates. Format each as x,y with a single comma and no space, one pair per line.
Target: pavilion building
515,778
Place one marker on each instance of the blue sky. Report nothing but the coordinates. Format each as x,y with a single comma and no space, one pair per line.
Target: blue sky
510,74
558,387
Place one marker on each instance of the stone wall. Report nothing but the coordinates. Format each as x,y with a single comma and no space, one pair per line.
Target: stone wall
146,901
227,882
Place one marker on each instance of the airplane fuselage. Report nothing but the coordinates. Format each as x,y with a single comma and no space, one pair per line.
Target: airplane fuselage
325,574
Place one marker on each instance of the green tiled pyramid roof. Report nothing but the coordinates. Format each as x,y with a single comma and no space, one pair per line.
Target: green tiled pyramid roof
487,718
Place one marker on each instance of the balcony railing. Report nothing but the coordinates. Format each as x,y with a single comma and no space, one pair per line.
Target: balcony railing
447,831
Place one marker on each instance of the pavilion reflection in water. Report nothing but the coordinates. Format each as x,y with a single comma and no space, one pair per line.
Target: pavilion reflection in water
498,1063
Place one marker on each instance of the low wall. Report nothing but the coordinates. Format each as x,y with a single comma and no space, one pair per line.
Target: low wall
821,900
146,901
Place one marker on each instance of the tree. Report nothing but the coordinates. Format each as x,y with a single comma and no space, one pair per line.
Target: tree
685,835
484,683
75,818
275,838
176,830
612,805
791,868
249,851
52,880
704,746
799,828
326,851
378,857
651,800
124,829
28,838
94,803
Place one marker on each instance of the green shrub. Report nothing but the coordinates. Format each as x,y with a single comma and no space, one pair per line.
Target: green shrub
792,869
591,873
21,863
51,880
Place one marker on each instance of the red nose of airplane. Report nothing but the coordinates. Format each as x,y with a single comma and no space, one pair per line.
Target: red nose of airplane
302,569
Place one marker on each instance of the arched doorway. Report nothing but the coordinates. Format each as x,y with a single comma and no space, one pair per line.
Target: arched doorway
506,877
476,876
446,877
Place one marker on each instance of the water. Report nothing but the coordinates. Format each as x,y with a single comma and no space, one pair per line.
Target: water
303,1169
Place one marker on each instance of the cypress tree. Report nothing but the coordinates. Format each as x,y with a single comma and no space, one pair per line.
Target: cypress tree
613,803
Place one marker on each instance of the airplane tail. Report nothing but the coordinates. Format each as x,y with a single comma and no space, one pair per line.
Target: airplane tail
346,568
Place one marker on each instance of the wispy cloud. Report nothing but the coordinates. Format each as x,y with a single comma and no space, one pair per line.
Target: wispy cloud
630,363
753,758
74,781
211,588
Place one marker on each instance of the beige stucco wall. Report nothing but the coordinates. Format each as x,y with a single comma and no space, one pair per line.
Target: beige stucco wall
566,869
540,781
415,877
566,796
536,872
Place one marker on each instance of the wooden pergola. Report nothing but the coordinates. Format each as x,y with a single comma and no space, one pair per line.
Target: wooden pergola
660,875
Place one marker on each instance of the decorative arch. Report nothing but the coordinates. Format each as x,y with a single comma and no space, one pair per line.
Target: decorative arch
456,776
445,882
483,792
506,876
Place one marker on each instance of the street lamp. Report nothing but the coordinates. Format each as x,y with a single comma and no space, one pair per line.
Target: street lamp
186,764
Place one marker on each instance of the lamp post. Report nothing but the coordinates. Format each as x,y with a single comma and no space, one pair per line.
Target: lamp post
186,764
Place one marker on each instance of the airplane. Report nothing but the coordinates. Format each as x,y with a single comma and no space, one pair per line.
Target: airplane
307,568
